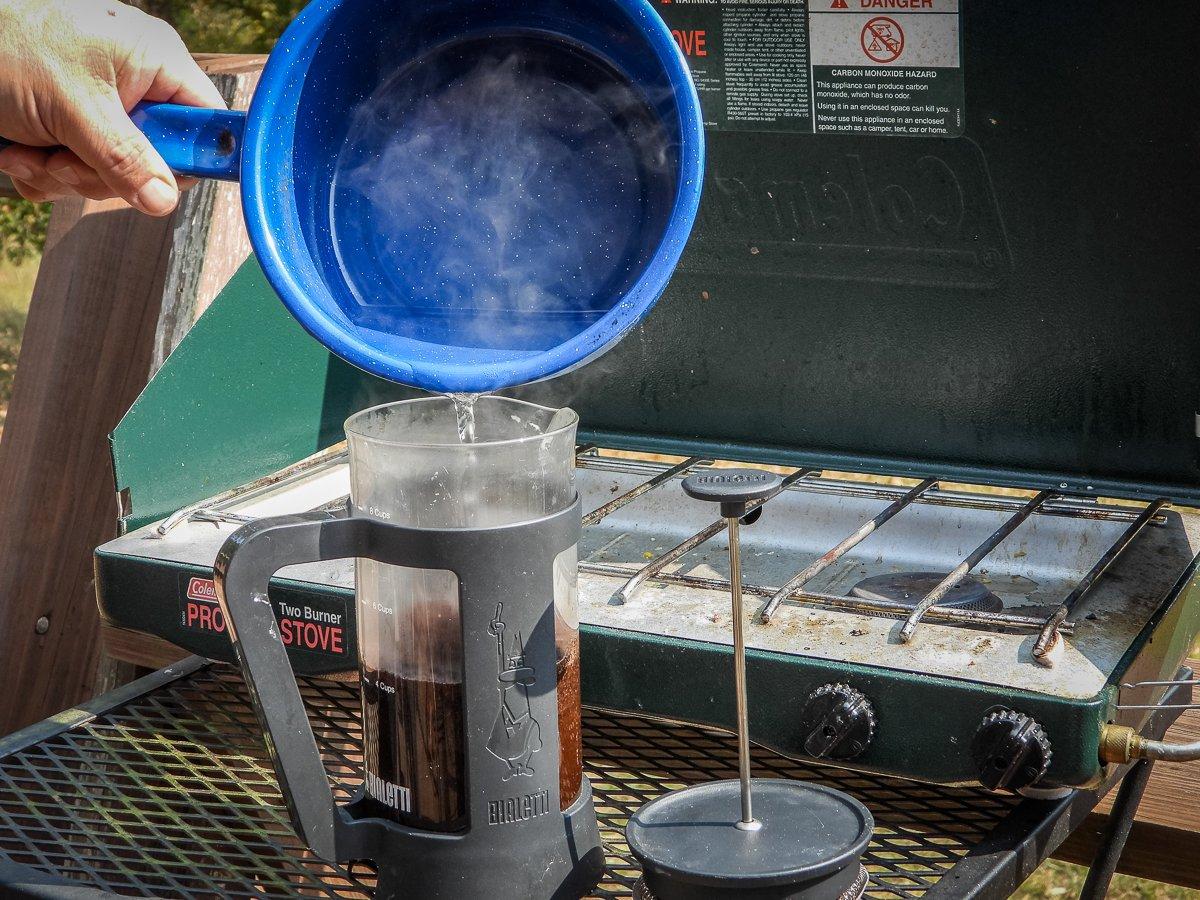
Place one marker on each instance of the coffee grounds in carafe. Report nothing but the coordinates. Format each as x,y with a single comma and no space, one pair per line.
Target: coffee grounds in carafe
570,725
415,766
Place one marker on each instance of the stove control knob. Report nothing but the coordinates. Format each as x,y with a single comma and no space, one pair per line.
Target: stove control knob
837,722
1010,750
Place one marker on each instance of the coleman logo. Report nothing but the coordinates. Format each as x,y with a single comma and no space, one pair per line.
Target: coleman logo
203,589
518,809
200,609
831,212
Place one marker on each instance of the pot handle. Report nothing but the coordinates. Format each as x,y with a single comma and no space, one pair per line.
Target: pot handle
205,143
243,572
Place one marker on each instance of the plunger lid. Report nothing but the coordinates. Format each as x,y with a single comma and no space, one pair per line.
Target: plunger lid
809,833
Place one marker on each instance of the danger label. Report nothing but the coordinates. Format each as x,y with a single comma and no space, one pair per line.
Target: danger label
312,625
887,67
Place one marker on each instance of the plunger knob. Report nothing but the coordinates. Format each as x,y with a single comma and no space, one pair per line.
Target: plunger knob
734,489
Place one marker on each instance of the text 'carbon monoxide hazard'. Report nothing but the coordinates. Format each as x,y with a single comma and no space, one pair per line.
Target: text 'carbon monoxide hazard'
889,67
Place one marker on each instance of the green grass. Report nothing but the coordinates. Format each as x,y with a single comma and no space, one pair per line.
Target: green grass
16,287
1055,880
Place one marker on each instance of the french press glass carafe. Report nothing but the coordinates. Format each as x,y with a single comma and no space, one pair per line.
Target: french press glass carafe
469,654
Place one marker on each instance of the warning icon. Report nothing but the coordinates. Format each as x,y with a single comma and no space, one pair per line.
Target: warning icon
883,39
839,4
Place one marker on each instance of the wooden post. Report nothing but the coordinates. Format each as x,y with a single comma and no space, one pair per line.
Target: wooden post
115,292
210,240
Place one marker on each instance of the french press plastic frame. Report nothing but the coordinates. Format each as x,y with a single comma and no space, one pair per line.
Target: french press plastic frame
518,844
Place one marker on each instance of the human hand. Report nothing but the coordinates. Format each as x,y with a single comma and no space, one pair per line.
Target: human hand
70,71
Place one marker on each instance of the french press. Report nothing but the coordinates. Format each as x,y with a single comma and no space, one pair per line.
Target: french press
469,654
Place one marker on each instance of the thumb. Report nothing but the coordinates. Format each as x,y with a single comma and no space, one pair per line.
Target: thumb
103,137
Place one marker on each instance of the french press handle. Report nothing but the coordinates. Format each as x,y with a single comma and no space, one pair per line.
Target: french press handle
243,571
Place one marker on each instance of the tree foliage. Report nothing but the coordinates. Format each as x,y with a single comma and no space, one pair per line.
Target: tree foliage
216,26
226,26
22,229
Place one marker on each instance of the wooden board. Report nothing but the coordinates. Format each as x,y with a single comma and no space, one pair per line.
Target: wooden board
84,358
210,241
94,334
1165,842
144,651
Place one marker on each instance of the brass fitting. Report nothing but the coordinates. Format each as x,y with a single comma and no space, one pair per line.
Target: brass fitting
1119,744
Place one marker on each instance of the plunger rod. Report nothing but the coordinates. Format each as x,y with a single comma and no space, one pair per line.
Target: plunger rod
747,822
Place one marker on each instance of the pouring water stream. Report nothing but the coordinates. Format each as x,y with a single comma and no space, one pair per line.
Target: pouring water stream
464,414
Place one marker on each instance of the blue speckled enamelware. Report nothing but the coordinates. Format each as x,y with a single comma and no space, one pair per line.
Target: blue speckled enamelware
370,160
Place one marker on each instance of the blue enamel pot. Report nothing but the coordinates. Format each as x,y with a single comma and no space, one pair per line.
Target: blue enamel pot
461,195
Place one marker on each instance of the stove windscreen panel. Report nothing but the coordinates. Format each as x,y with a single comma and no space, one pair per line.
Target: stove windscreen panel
1017,299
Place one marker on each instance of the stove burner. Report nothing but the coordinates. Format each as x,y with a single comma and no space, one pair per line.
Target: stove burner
910,587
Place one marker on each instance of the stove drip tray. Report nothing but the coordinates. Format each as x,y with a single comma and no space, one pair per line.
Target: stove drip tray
910,588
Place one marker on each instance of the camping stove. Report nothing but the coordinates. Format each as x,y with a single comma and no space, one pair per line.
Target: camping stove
898,628
985,275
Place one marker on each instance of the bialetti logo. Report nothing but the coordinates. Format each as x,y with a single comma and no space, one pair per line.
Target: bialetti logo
391,795
732,479
518,809
203,589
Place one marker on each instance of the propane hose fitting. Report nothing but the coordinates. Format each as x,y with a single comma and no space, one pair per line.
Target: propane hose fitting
1121,744
1118,744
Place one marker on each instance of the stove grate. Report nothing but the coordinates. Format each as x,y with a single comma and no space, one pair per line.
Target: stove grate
929,491
171,794
1044,502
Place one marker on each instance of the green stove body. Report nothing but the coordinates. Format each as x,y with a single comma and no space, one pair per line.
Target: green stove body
972,266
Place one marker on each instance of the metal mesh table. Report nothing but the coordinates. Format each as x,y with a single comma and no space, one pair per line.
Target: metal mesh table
164,788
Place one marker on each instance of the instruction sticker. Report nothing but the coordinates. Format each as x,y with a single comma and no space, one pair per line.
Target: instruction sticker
887,67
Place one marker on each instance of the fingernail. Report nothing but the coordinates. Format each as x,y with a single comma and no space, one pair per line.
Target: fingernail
157,197
19,172
66,175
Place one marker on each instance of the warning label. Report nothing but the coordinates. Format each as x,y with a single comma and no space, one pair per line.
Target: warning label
889,67
749,61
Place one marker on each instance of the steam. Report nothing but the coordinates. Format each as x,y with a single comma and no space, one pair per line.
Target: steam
497,195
